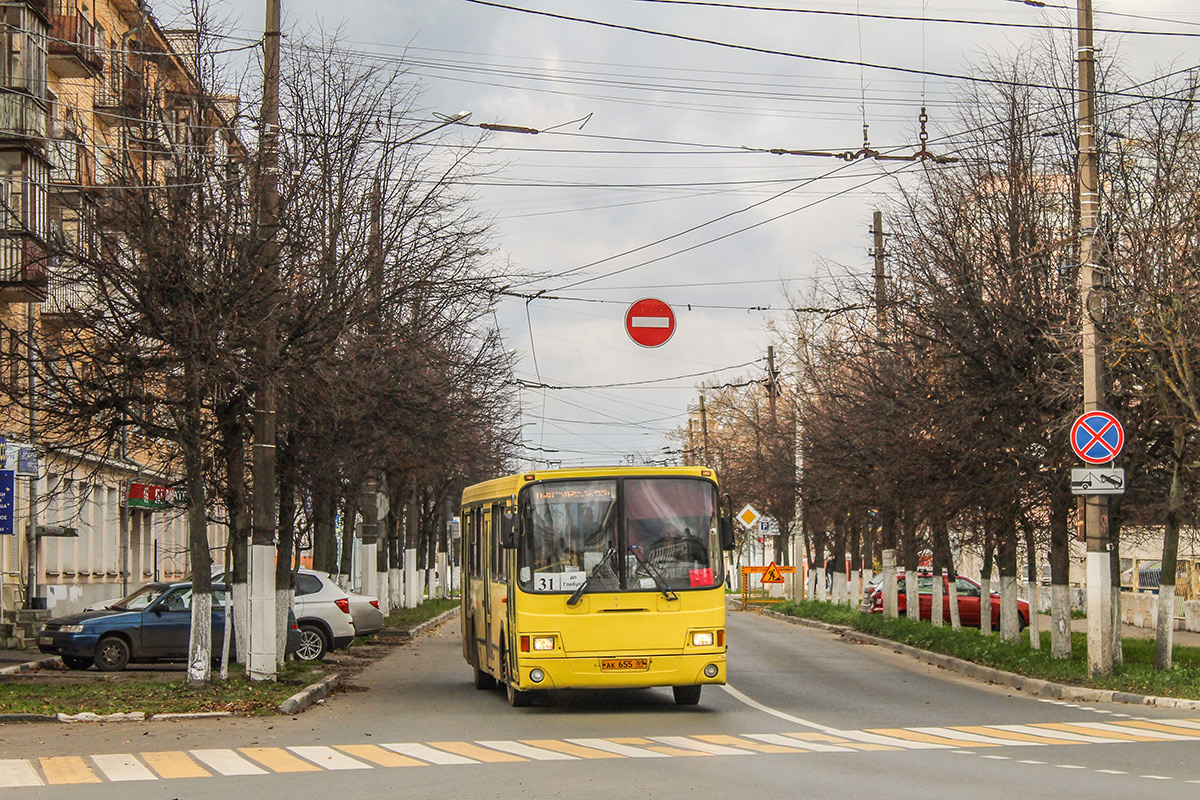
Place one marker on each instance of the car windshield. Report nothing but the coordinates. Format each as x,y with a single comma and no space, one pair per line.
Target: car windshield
629,534
141,598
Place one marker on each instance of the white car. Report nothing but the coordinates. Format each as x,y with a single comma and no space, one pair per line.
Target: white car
323,613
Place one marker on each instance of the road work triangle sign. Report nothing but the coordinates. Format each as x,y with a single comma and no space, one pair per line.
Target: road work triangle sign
772,575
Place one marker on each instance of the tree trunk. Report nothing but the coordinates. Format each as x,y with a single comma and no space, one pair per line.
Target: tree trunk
1114,565
199,669
1010,627
912,599
324,538
1060,578
284,582
887,542
985,586
1164,634
1031,574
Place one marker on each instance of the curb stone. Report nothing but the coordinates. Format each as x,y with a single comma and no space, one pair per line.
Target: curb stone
1035,686
420,628
310,694
29,666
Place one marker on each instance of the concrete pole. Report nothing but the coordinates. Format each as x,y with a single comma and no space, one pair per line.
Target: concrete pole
263,659
31,537
1098,568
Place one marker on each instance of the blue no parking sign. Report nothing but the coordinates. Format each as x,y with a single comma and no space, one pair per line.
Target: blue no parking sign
1097,437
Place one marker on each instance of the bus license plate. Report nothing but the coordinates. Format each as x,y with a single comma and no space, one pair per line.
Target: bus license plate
624,664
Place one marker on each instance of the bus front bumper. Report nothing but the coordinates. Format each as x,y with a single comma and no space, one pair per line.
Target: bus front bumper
621,671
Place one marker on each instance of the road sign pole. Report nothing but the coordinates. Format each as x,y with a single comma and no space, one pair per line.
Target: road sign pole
1099,580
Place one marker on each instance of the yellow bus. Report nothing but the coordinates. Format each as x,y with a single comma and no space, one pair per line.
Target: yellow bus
595,578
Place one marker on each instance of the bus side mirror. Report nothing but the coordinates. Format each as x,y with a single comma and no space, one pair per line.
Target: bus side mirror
508,529
726,533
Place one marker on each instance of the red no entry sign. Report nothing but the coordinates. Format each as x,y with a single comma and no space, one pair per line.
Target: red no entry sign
650,322
1097,437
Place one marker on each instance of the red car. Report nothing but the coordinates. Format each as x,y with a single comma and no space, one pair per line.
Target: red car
969,604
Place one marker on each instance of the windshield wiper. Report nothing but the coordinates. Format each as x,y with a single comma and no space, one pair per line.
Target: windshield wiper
659,580
578,593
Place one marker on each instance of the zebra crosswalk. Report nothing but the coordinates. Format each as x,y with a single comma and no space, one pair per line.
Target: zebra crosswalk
257,760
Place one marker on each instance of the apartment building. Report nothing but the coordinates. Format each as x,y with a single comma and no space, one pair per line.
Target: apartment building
91,93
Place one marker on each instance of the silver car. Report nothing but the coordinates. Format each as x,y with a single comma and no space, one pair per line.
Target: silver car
323,611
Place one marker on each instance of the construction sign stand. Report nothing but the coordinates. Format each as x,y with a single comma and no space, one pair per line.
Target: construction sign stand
772,573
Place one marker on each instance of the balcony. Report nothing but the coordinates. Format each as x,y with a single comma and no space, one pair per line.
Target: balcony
22,118
68,303
22,268
72,168
121,93
74,48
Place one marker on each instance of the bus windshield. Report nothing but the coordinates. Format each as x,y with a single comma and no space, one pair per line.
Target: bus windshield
629,534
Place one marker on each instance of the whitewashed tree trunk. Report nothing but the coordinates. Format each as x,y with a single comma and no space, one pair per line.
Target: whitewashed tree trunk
430,584
260,666
226,633
395,589
1164,633
955,617
937,611
443,570
985,605
890,598
241,620
912,600
1010,626
811,584
283,602
412,588
1118,647
837,582
850,594
1035,602
822,593
1060,620
200,640
383,592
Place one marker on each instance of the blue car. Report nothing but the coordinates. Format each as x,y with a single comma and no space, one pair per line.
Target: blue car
152,624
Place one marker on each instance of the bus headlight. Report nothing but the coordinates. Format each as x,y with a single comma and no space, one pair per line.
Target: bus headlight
543,643
702,639
536,675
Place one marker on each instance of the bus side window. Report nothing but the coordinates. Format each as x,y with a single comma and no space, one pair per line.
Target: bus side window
499,554
476,542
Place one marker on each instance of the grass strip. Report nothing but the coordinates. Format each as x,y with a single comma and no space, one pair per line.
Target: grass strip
1136,675
236,695
404,618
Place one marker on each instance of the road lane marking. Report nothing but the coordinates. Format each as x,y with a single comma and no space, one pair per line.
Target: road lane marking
227,762
1157,777
1027,761
1069,766
1016,736
527,751
377,755
619,749
277,759
1124,727
960,735
123,767
18,772
638,741
174,764
1104,730
1111,772
735,741
67,769
328,758
916,736
427,754
567,748
1061,731
711,748
468,750
1163,727
858,736
789,740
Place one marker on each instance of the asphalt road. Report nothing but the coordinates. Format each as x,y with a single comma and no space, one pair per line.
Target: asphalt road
806,714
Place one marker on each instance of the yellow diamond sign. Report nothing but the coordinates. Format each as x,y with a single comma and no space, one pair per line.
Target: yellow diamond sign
748,516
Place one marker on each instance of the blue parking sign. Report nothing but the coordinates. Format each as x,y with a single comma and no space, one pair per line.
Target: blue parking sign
7,510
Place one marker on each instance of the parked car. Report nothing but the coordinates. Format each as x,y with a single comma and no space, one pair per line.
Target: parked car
133,630
133,602
323,610
969,600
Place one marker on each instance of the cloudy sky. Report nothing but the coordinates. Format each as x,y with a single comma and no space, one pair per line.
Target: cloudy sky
654,181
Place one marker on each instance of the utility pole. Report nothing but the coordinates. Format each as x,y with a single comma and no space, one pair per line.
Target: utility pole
262,661
1095,507
31,537
888,554
772,389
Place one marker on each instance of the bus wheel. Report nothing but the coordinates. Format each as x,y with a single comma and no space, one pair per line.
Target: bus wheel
686,695
484,680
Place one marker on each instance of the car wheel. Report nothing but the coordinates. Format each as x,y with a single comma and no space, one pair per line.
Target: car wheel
76,662
112,654
686,695
312,643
